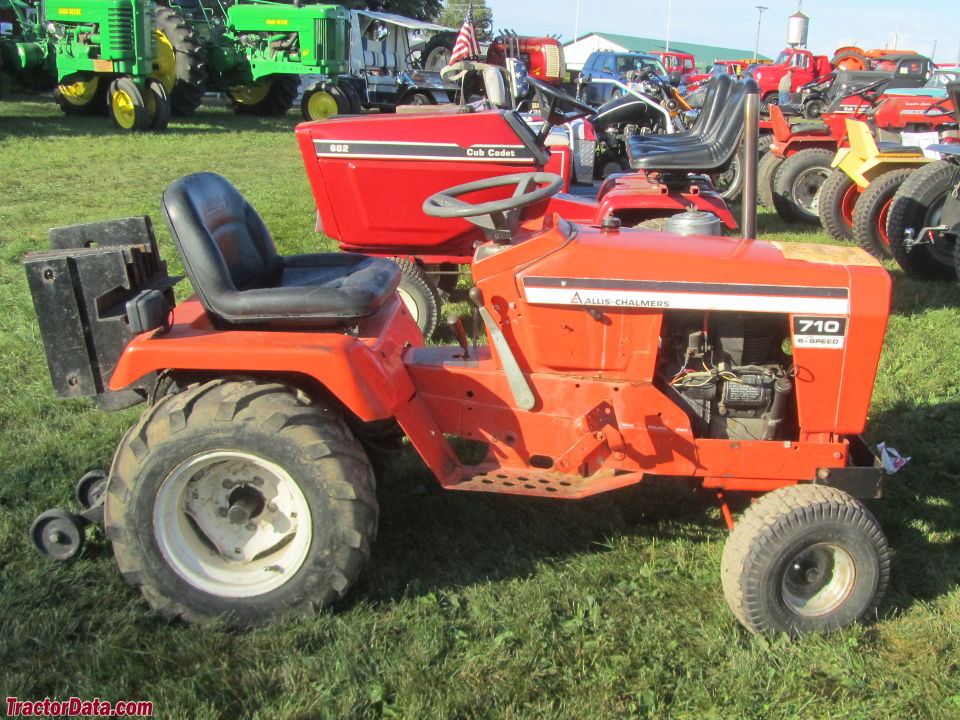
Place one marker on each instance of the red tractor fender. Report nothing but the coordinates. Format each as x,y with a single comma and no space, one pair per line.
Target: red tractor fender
365,372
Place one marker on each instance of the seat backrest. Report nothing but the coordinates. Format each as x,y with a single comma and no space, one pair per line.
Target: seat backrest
221,239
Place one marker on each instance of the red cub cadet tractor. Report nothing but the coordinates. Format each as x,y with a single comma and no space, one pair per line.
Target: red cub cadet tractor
381,154
245,491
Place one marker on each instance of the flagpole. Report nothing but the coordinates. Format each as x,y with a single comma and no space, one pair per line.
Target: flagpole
576,23
669,21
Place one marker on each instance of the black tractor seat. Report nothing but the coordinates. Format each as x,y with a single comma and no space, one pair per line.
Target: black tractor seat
892,147
715,151
240,279
708,120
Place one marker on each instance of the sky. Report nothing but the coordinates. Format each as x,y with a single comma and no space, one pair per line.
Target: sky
733,23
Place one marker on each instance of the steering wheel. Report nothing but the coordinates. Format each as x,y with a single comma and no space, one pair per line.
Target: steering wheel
871,92
496,216
938,109
555,100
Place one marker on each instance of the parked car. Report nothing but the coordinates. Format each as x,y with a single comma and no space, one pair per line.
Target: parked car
610,65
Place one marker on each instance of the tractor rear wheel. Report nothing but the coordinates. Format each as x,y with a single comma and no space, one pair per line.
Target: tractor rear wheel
322,101
766,171
420,295
158,103
918,204
805,558
269,97
83,97
127,106
871,212
180,64
436,53
418,98
240,500
796,188
838,196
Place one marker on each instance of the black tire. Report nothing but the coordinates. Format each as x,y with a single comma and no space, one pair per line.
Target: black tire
444,277
420,295
273,96
240,430
183,78
813,110
91,102
838,195
126,105
350,93
797,184
729,183
771,98
436,53
872,210
418,98
766,172
770,573
917,205
159,104
763,145
323,101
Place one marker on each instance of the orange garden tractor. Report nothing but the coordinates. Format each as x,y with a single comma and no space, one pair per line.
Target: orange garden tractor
246,490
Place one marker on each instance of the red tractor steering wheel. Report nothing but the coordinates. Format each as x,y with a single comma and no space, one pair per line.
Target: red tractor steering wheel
497,217
556,100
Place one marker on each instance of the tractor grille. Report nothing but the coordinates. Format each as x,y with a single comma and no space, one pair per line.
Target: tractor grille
556,67
120,40
333,33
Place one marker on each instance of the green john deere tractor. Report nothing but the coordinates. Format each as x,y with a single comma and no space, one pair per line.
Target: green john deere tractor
98,54
254,53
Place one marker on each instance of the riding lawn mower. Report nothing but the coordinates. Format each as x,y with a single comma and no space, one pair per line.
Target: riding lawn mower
613,355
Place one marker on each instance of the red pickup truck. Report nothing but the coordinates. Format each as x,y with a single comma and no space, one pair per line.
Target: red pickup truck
808,67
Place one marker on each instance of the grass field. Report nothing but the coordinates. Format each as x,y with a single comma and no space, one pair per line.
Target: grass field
473,606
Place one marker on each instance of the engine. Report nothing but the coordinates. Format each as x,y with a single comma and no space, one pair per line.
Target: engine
729,372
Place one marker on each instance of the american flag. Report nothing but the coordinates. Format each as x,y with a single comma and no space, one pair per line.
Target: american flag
466,46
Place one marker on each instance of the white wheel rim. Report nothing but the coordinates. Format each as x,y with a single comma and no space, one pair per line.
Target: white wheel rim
214,553
806,188
410,303
818,580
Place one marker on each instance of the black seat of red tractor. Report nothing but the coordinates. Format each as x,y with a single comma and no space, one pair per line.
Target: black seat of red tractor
240,279
709,118
716,149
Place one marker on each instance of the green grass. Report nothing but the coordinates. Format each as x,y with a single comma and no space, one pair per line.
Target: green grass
473,606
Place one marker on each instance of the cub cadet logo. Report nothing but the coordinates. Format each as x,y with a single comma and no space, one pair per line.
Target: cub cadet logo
68,11
278,22
490,152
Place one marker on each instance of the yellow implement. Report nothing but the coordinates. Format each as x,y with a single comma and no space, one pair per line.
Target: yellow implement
864,160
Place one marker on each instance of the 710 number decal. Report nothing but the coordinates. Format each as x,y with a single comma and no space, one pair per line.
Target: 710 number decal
825,332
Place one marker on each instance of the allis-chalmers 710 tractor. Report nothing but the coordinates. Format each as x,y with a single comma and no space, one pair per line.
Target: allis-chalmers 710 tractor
613,355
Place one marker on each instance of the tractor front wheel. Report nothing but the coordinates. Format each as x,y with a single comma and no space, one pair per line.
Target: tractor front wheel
871,212
322,101
127,106
240,500
350,93
918,204
838,196
796,188
420,295
158,103
269,97
805,558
